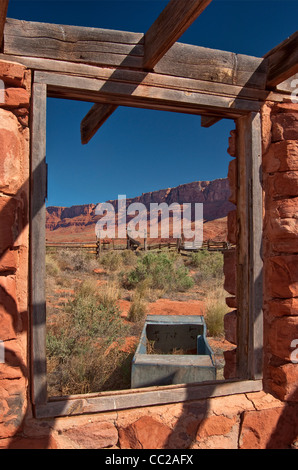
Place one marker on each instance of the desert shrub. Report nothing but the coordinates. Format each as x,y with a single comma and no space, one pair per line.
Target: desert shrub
209,264
129,258
138,308
77,341
161,272
216,309
112,260
109,294
52,266
69,259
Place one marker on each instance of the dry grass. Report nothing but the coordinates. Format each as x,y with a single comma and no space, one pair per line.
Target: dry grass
84,338
138,308
216,308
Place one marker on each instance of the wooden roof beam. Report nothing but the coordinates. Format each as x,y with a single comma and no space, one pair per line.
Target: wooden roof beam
3,13
94,119
282,61
208,121
173,21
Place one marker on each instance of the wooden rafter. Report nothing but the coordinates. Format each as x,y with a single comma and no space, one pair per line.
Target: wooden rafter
208,121
3,13
94,119
173,21
169,26
282,61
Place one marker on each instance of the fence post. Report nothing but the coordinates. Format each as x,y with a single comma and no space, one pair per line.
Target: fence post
98,247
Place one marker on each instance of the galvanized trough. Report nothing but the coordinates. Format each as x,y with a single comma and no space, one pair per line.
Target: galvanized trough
173,349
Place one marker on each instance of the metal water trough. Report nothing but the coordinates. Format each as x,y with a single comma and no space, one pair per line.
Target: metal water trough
168,333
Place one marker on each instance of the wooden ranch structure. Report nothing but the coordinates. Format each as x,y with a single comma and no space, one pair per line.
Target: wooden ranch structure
153,71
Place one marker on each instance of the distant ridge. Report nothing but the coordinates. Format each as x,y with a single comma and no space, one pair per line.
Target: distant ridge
77,223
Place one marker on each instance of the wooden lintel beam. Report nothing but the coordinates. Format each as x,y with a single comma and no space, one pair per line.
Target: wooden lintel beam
173,21
282,61
208,121
94,119
163,97
3,13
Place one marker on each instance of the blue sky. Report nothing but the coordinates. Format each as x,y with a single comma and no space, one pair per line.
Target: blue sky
137,150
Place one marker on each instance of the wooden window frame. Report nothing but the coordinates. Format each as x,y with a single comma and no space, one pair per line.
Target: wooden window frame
249,246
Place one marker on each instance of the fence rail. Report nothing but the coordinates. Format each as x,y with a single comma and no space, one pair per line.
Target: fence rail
182,247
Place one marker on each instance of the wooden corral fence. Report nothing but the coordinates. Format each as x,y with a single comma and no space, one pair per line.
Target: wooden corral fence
100,246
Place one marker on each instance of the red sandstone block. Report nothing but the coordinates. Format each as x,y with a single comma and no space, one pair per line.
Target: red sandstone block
274,428
11,153
281,156
281,276
215,426
230,368
24,121
229,270
232,177
14,366
232,144
282,307
283,184
284,209
284,382
97,435
8,222
266,126
281,333
28,443
12,407
145,433
9,261
12,73
232,227
285,126
230,326
281,225
284,108
231,302
9,317
16,98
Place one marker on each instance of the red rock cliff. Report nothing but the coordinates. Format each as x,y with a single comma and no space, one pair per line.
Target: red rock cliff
213,194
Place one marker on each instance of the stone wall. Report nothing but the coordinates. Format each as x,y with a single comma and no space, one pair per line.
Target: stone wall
280,183
265,419
14,216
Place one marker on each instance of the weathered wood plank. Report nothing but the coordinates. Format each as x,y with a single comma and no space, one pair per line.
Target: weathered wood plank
208,121
255,346
202,63
73,43
136,77
97,115
282,61
249,246
168,28
182,60
125,94
111,401
38,217
3,13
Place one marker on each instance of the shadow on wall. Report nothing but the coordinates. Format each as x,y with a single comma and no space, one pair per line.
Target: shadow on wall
146,433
